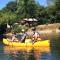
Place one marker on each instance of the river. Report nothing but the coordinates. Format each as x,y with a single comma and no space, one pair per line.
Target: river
14,53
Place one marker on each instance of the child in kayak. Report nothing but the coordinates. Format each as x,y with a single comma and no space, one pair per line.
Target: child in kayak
36,35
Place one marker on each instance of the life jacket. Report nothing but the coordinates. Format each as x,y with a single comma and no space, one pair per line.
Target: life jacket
36,35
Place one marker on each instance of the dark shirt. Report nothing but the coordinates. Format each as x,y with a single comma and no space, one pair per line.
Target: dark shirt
24,37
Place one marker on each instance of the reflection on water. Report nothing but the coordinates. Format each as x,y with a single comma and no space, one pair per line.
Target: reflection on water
14,53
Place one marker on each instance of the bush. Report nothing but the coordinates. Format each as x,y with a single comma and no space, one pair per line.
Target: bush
18,28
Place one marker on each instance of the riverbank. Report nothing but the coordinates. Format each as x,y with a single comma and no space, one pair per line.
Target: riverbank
47,28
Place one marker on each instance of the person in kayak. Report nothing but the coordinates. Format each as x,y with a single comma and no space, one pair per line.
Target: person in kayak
24,35
35,35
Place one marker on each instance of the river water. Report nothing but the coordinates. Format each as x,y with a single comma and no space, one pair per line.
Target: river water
43,53
14,53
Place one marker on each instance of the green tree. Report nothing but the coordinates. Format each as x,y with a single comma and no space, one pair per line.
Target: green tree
7,17
11,6
27,8
54,10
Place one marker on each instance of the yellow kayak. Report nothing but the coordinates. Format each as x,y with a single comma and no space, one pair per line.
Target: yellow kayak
26,44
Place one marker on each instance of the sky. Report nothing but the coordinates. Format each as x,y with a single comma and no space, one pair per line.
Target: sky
4,2
42,2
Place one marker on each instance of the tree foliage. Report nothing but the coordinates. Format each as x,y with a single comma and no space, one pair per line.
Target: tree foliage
54,11
11,6
15,11
27,8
